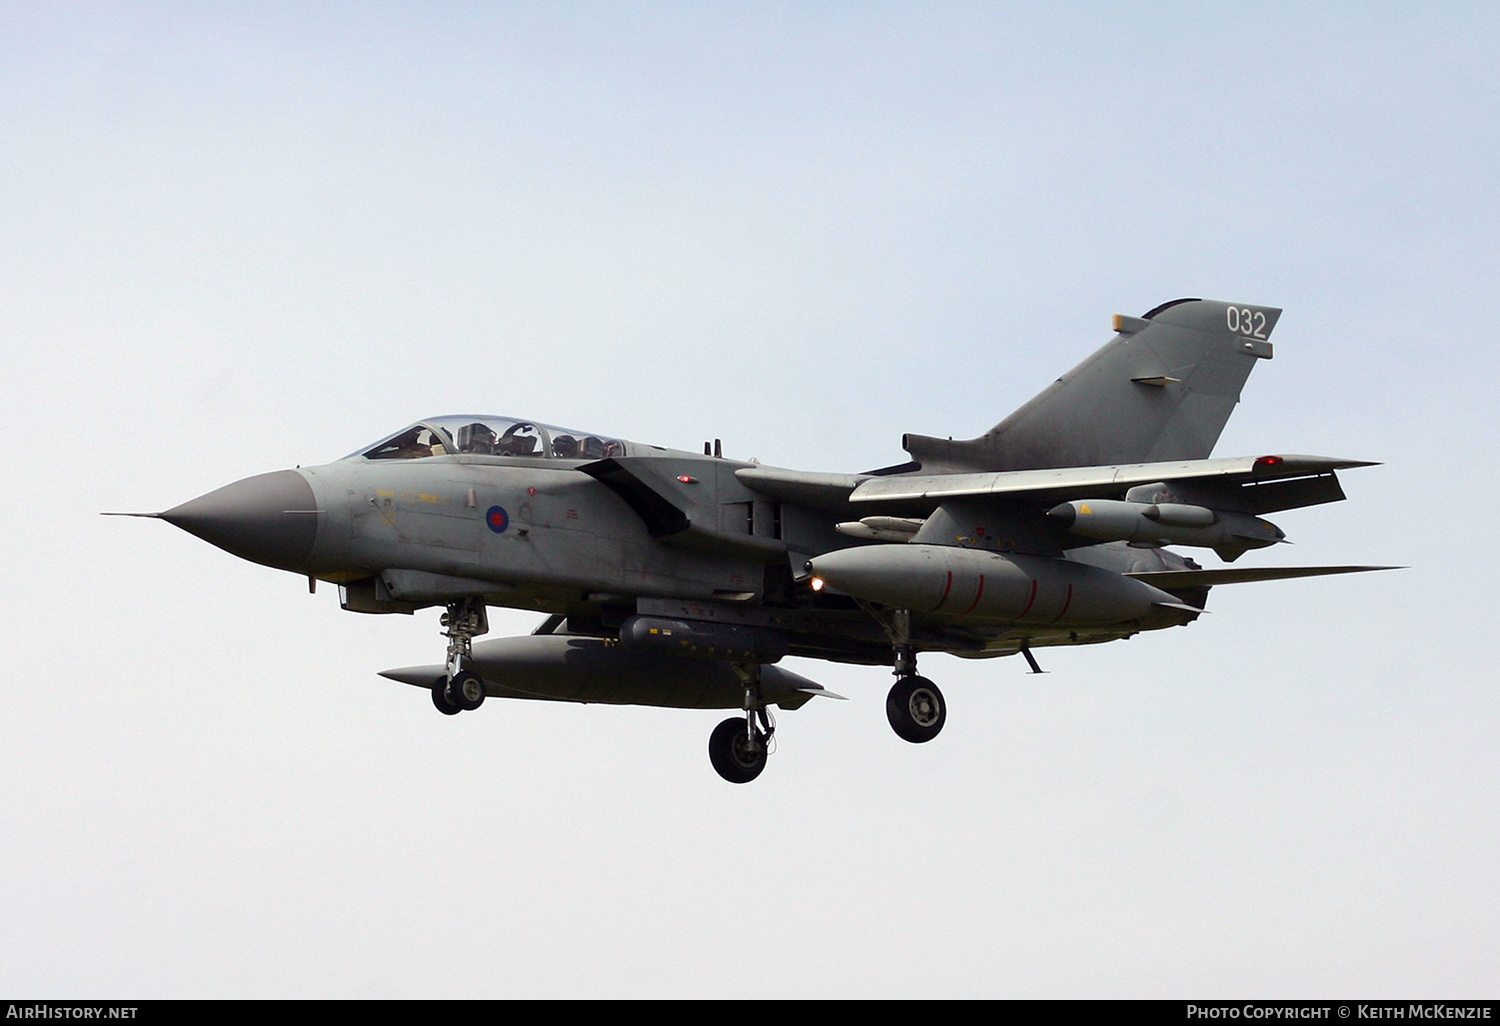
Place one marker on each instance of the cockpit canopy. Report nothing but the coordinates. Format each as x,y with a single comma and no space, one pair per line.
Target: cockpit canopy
490,436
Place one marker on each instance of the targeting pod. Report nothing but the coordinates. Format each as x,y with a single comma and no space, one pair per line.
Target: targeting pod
703,640
1228,533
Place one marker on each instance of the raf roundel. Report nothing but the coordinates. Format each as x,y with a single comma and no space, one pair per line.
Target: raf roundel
497,518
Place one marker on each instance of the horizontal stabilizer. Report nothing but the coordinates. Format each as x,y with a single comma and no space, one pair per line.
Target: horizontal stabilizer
1176,580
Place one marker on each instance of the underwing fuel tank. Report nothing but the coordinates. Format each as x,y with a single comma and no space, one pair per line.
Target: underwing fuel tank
568,668
981,584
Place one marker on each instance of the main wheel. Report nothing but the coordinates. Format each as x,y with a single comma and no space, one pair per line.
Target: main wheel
916,709
440,698
465,690
729,750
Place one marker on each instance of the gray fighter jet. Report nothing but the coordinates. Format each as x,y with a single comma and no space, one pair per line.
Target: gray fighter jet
680,579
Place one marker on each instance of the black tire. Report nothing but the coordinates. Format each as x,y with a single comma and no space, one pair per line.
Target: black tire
728,750
916,709
466,690
440,698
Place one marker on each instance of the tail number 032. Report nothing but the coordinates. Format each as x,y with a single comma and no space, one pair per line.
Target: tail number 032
1244,321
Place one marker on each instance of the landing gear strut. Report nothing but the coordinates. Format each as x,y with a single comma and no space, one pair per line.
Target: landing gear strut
914,706
462,689
739,746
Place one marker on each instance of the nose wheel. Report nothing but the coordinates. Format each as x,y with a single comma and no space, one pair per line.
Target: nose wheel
916,709
463,693
440,698
465,690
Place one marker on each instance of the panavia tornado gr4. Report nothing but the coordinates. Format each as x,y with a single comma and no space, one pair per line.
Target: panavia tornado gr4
680,579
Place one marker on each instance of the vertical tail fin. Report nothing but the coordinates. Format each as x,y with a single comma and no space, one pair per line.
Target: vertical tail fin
1162,389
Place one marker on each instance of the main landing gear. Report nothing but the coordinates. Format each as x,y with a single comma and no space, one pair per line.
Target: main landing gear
461,690
739,746
914,706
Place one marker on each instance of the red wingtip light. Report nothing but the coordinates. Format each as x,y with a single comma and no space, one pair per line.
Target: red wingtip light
1267,462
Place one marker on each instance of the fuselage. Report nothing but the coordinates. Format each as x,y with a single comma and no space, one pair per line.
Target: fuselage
599,529
521,523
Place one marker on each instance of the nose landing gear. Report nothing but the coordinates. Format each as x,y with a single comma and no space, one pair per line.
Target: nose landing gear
462,690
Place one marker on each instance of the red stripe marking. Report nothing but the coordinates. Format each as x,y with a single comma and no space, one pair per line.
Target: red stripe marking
1066,603
946,589
1029,603
977,596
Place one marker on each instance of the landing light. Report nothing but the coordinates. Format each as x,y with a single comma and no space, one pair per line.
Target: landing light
817,584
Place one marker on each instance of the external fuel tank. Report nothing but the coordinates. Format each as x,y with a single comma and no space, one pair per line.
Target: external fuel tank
984,584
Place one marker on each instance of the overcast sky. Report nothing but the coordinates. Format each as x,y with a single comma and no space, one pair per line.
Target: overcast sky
239,238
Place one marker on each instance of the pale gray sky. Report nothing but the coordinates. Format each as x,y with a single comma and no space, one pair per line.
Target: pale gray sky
239,238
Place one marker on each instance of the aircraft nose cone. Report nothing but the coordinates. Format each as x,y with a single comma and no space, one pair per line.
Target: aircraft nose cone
267,519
